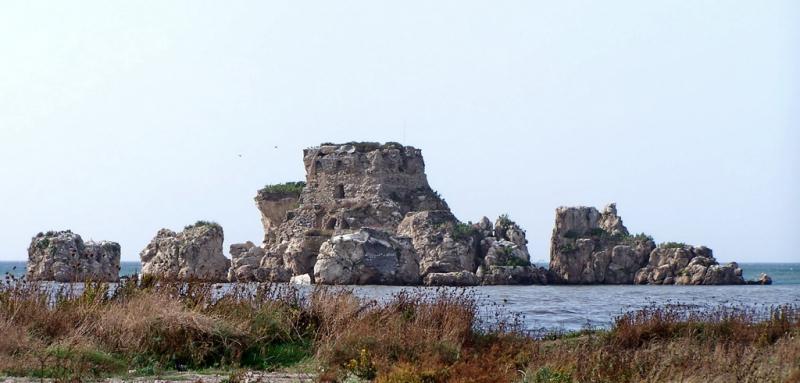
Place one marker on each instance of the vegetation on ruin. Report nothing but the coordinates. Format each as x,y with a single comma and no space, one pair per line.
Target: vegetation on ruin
446,335
284,188
672,245
201,223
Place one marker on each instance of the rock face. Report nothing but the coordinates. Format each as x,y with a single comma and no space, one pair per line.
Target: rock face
367,256
367,215
63,257
193,254
245,260
274,203
590,247
440,248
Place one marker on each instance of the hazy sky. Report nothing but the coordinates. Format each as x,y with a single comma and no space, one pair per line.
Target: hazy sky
118,118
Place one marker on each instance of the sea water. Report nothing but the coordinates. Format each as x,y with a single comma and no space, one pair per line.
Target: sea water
575,307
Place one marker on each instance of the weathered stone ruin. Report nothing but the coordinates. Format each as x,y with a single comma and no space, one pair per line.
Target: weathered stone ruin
193,254
366,215
62,256
592,247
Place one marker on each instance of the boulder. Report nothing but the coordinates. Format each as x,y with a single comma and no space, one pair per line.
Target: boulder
245,260
763,279
367,256
458,278
62,256
193,254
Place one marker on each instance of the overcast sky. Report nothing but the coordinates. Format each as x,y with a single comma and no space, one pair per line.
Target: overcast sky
118,118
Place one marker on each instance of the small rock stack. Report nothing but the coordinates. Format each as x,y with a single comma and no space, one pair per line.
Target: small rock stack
62,256
193,254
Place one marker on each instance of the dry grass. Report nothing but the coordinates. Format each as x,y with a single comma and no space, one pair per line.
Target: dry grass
437,336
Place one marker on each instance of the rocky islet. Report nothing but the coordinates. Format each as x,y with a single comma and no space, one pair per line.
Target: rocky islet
367,215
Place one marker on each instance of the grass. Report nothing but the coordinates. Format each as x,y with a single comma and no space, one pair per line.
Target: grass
155,328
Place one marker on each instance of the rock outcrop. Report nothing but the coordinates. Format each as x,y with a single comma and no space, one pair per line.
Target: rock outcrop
590,247
274,202
367,215
62,256
687,265
193,254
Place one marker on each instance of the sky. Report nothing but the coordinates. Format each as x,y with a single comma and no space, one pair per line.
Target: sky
118,118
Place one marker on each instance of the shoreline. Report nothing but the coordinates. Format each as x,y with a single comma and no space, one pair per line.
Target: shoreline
331,333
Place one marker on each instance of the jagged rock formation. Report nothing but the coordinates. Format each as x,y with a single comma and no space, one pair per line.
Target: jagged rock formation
193,254
590,247
62,256
274,202
367,215
687,265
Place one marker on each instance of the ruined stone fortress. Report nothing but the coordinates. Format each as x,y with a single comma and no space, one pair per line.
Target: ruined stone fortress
367,215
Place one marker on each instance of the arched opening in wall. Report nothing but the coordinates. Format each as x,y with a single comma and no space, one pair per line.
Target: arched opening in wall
331,224
339,193
317,166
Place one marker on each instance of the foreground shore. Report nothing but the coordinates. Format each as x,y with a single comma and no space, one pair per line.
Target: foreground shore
148,330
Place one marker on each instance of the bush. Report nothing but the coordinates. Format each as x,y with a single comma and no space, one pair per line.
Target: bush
672,245
201,223
516,261
284,188
463,231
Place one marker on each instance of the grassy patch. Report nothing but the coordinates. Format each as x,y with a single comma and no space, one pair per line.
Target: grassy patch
158,327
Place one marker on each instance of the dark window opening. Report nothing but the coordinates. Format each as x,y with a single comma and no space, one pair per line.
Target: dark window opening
339,191
331,224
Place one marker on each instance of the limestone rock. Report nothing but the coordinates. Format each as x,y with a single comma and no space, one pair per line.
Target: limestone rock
349,187
367,256
304,279
458,278
63,257
193,254
687,265
589,247
272,269
245,260
274,202
511,275
763,279
437,244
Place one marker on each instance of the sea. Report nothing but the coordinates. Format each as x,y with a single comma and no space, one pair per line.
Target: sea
558,307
